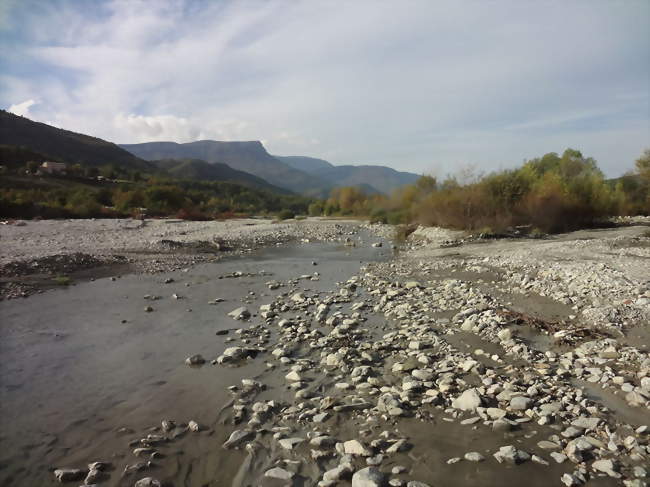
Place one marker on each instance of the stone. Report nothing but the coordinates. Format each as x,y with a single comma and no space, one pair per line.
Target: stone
576,449
474,456
289,443
520,403
510,454
138,452
586,423
323,441
279,473
399,445
472,420
193,426
606,466
412,285
539,460
320,417
635,398
423,375
339,472
94,476
241,313
558,457
355,447
572,432
504,334
495,413
550,408
69,474
548,445
468,400
368,477
195,360
148,482
569,480
101,466
293,376
238,438
231,354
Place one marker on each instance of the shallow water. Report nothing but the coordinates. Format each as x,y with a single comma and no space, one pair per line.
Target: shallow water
72,373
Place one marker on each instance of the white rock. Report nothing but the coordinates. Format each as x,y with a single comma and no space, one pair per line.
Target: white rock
474,456
355,447
241,313
368,477
279,473
468,400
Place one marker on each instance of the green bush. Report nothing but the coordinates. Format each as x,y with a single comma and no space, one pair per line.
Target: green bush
286,214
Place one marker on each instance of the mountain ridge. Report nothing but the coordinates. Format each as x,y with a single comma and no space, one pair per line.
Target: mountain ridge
198,169
247,156
64,144
302,174
383,179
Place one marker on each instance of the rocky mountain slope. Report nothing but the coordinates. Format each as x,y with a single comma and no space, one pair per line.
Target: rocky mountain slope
64,145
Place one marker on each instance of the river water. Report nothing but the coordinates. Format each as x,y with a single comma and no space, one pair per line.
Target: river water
82,362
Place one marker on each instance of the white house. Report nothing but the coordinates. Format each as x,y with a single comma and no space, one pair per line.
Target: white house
53,167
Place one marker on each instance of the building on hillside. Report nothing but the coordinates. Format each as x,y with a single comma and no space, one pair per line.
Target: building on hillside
53,167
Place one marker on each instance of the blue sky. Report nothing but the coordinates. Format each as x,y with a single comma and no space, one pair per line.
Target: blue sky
426,86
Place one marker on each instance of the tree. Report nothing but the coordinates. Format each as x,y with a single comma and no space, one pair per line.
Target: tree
32,166
643,165
426,184
316,208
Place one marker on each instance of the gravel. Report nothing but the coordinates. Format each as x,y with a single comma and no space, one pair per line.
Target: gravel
497,337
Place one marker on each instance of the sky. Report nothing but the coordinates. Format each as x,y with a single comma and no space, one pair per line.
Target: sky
431,87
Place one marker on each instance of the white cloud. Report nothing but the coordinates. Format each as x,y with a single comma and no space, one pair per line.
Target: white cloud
429,84
161,127
22,108
176,129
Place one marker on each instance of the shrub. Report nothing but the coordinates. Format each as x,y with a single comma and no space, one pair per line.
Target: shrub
286,214
315,209
192,214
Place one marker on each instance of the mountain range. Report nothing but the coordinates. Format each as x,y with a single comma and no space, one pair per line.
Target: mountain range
250,156
213,171
380,179
300,174
244,162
